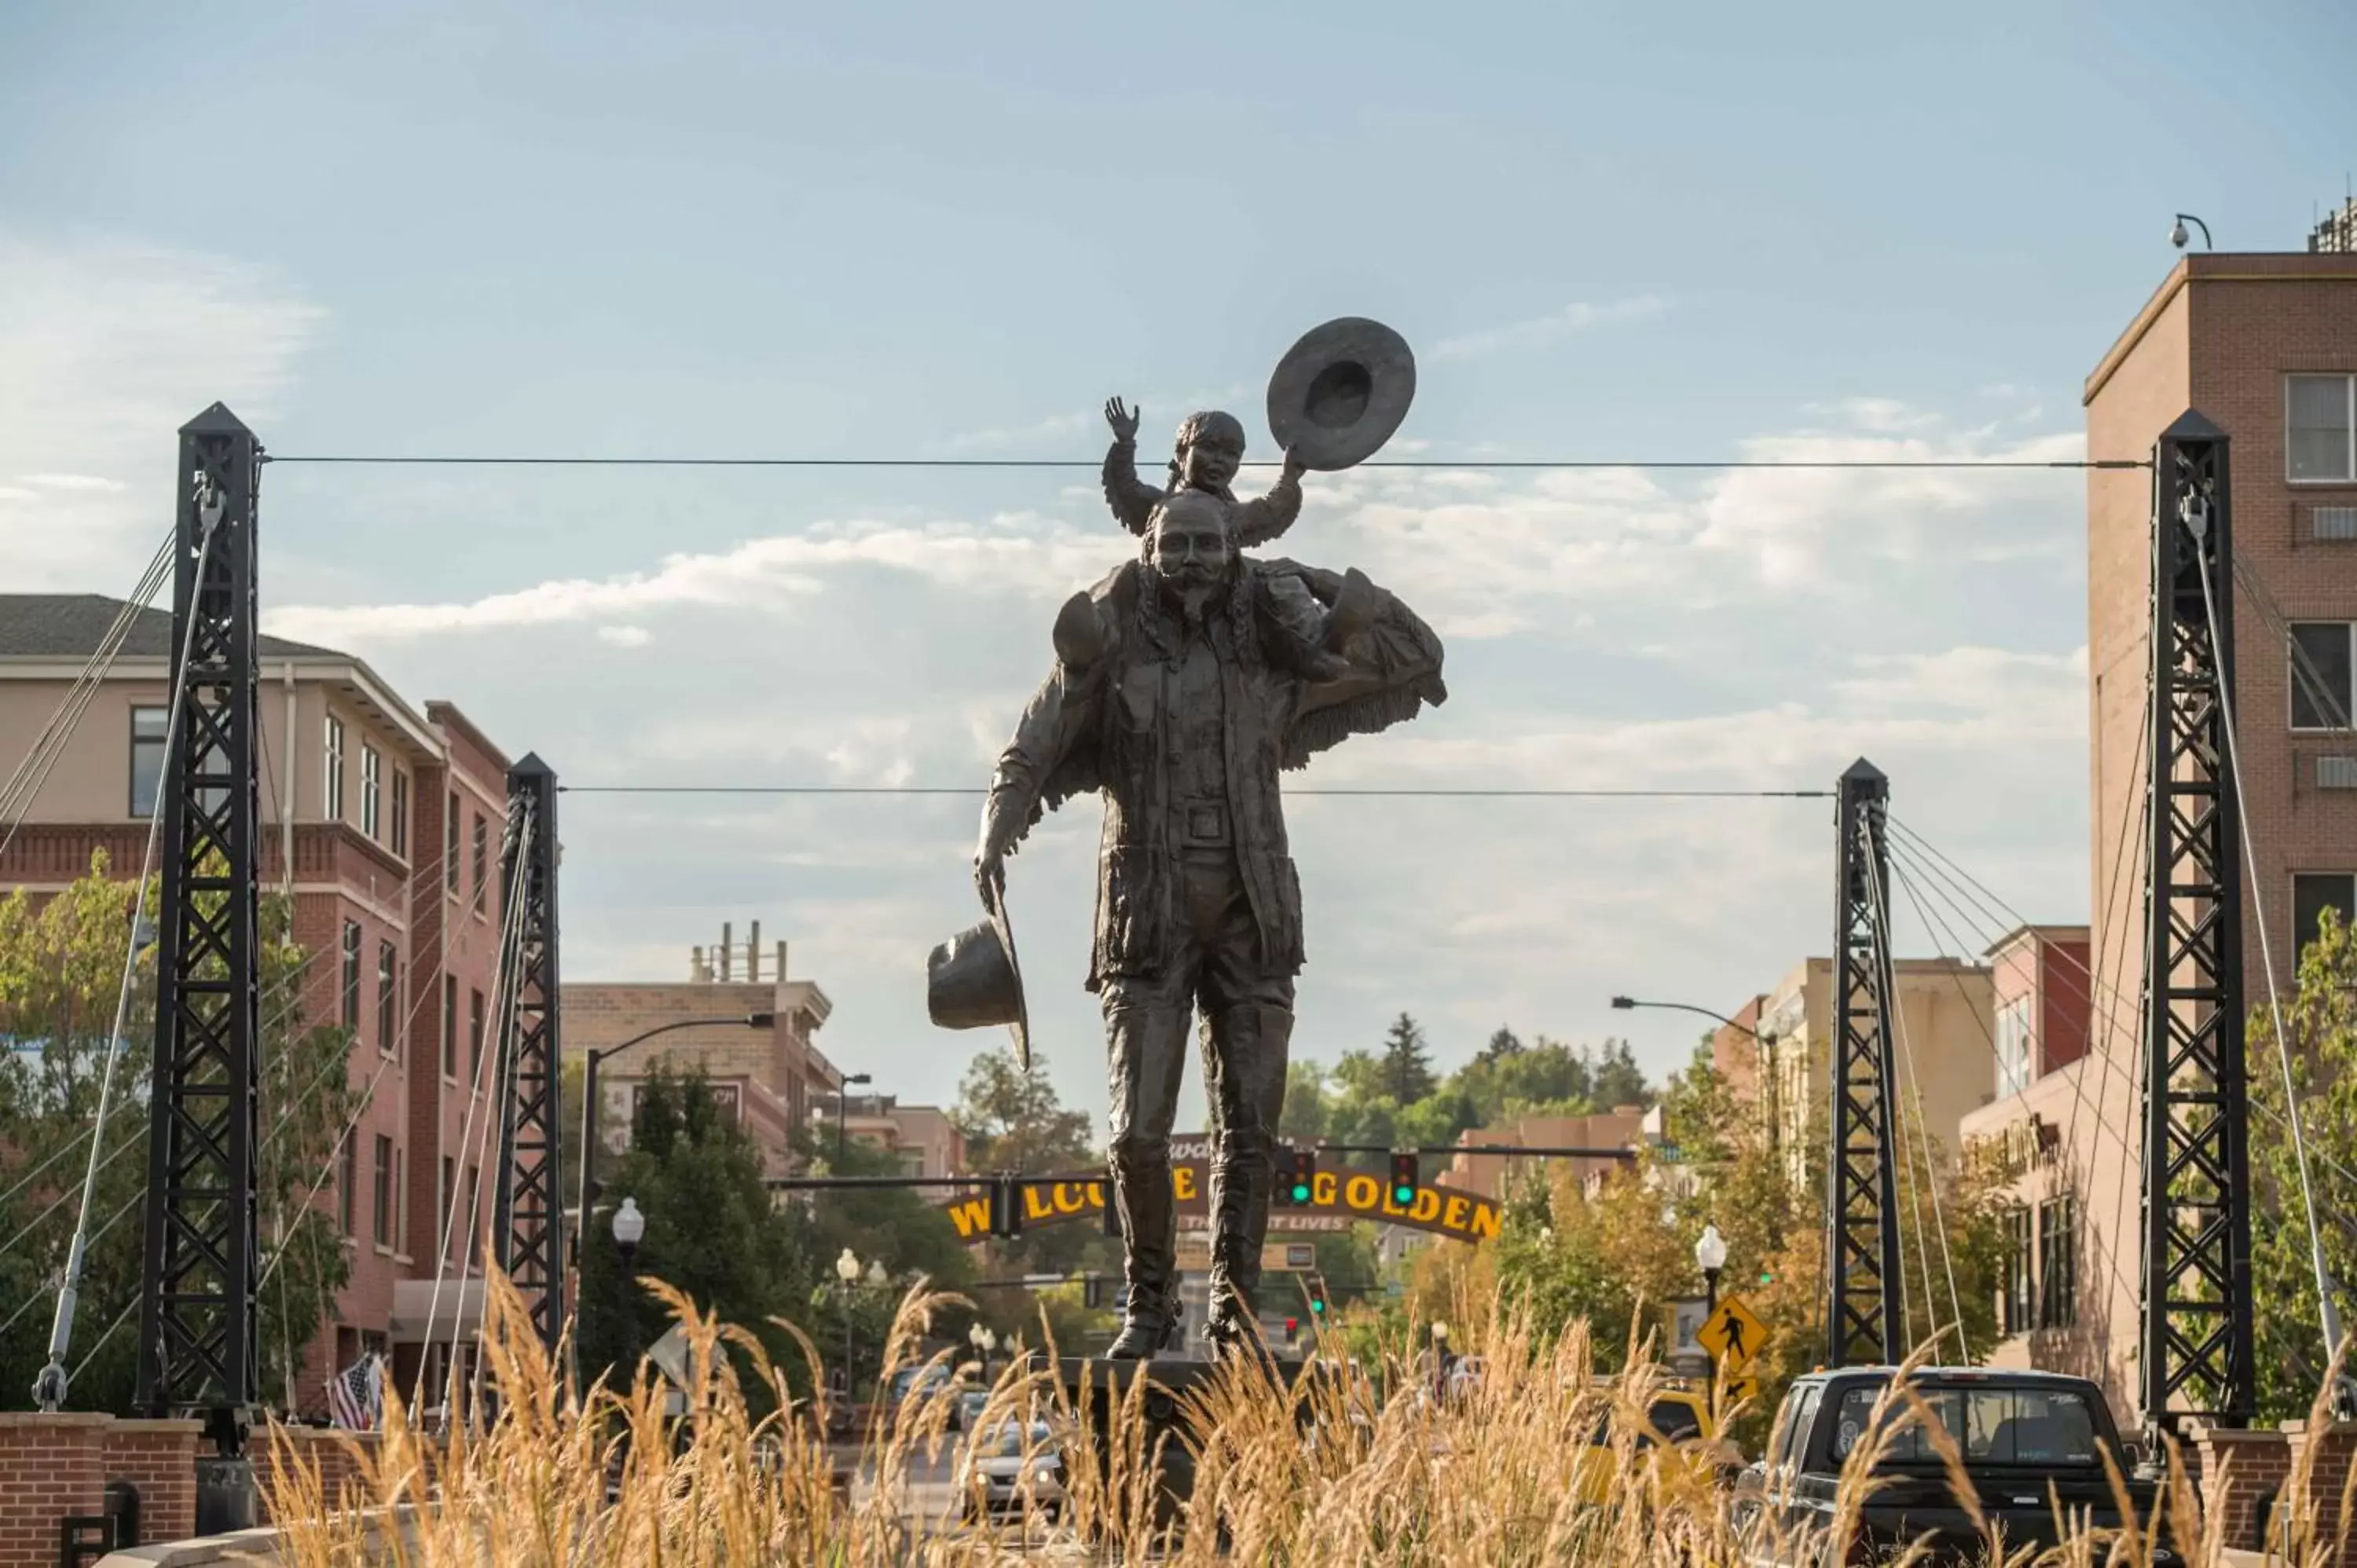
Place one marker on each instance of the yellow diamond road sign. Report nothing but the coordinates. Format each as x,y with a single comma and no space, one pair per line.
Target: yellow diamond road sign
1731,1333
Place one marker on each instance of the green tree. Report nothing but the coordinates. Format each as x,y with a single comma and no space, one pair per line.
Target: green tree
1504,1042
711,1231
1407,1063
2320,1020
61,962
1013,1121
1306,1112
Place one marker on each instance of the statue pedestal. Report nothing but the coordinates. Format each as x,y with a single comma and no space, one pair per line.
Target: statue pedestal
1098,1390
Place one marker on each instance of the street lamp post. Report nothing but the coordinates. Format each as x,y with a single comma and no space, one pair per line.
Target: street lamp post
984,1341
846,1273
1766,1044
630,1230
843,1109
1710,1256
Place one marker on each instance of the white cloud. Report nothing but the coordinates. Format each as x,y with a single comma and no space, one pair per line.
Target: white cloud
625,636
109,347
1013,552
1539,330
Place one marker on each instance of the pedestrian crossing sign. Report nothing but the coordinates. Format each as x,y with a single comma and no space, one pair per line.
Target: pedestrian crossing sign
1732,1333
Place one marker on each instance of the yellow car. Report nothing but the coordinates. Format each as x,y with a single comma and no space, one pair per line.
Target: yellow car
1679,1432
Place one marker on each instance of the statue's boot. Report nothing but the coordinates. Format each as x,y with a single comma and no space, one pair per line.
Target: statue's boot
1250,1047
1149,1318
1150,1055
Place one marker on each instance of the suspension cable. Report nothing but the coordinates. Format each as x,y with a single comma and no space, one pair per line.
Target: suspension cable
50,1386
2196,519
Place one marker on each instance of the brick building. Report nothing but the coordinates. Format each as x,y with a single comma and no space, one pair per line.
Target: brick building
382,823
774,1079
1946,1055
1620,1128
2266,347
923,1138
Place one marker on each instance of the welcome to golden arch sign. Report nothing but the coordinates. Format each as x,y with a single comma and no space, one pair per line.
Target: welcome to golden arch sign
1346,1195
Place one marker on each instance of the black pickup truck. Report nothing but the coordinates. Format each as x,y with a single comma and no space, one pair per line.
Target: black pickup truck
2033,1446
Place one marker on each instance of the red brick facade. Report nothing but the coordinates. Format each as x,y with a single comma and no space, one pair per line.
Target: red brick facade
55,1466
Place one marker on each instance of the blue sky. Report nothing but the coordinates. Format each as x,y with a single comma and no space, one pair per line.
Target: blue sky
1622,232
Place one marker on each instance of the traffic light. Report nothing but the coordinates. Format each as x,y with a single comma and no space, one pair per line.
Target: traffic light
1281,1194
1404,1183
1292,1330
1005,1207
1303,1182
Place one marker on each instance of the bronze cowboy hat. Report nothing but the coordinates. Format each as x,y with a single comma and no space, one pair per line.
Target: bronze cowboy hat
972,981
1339,394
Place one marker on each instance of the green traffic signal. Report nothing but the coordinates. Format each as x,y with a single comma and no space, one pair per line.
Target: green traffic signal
1317,1305
1300,1192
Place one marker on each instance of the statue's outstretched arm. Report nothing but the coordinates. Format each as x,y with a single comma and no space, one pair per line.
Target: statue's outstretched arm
1131,497
1265,518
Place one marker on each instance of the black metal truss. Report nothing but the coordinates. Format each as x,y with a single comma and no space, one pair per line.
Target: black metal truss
1863,1318
530,1223
2196,1355
199,1329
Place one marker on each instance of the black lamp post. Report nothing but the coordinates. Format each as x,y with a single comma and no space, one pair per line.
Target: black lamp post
1710,1256
843,1109
630,1230
1766,1044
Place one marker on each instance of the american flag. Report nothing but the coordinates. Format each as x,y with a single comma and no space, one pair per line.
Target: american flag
356,1394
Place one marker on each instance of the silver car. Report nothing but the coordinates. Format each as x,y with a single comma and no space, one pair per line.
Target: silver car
1013,1467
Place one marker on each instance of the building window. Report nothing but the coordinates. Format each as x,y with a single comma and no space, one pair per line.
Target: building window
371,788
2319,657
444,1186
475,1038
482,859
334,768
388,1003
469,1224
2017,1299
380,1212
348,1184
2320,427
400,814
450,845
351,1010
2314,892
147,737
2058,1263
2013,1042
450,1025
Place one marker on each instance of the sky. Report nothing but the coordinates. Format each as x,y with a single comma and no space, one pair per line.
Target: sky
1614,234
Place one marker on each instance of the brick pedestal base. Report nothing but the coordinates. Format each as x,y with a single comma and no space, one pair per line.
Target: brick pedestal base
55,1466
2321,1457
2234,1473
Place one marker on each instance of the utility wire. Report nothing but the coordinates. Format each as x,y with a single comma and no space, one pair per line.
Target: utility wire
1093,465
1401,793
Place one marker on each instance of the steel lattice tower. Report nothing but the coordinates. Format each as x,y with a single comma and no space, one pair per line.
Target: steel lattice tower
2196,1355
1863,1320
530,1223
200,1338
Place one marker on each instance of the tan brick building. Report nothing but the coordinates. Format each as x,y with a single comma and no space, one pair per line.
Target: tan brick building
774,1079
2266,347
923,1137
1946,1050
384,824
1619,1128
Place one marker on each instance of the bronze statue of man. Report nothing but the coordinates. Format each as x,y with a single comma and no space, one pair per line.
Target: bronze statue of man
1184,682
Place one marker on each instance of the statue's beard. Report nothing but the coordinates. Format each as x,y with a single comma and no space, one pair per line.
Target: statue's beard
1192,597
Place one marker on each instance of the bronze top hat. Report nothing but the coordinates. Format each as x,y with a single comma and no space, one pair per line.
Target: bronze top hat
972,981
1340,393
